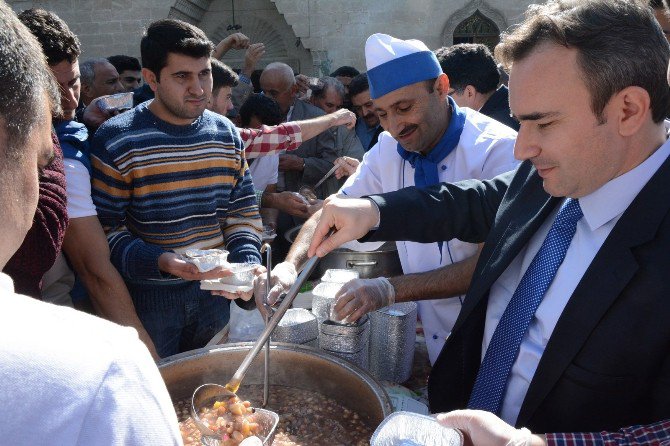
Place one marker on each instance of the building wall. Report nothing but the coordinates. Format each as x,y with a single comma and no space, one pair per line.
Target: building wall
104,27
313,36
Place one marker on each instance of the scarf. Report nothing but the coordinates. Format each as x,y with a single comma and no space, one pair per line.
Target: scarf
425,167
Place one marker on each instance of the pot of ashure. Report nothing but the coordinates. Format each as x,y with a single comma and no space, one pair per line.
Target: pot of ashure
300,377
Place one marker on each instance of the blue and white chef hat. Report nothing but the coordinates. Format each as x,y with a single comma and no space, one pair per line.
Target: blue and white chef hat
394,63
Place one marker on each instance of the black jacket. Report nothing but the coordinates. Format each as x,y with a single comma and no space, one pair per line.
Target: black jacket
607,363
497,107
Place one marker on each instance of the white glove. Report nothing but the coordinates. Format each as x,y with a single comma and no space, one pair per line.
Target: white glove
361,296
282,277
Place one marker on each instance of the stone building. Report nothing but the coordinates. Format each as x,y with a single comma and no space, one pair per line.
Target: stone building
313,36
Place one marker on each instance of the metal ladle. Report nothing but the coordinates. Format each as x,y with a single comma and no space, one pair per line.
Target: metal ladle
206,393
309,192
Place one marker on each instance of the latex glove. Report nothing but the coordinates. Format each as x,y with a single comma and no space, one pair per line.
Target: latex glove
481,427
358,297
282,277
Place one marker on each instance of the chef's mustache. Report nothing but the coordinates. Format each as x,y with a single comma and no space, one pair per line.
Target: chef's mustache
407,130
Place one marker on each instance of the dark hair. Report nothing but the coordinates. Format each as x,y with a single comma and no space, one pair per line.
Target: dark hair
222,75
26,79
122,63
322,85
656,4
345,71
172,36
263,107
57,41
619,44
469,64
359,84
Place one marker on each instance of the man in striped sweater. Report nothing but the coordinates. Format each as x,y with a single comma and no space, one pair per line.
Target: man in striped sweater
169,176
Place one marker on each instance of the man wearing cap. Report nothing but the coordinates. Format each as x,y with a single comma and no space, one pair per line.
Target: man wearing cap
428,139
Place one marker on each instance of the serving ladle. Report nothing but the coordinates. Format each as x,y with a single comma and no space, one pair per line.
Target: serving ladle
206,394
309,192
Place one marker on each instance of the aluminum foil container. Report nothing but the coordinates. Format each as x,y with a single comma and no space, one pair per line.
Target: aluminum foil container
360,358
411,429
339,275
298,326
392,342
341,338
243,274
206,259
324,296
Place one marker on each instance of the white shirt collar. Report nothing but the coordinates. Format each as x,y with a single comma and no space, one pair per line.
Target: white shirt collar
614,197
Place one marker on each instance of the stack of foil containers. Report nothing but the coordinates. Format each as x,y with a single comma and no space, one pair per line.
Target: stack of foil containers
324,293
298,326
393,333
348,341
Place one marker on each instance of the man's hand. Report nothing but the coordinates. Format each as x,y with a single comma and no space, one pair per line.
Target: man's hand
172,263
244,295
481,427
303,83
358,297
291,203
291,162
281,278
351,217
346,166
94,116
236,41
251,58
344,117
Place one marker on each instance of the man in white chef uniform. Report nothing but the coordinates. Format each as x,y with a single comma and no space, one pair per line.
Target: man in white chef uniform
428,139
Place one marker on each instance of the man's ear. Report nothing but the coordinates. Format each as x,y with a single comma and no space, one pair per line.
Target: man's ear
631,107
469,91
150,78
442,85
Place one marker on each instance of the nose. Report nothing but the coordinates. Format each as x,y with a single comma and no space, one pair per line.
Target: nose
118,87
69,97
197,87
526,145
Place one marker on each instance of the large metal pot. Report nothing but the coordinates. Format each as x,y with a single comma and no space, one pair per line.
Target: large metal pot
291,365
381,262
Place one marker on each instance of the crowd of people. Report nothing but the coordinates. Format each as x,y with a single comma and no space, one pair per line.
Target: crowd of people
530,221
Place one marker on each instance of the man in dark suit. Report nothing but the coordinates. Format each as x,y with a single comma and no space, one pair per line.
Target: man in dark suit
474,78
588,86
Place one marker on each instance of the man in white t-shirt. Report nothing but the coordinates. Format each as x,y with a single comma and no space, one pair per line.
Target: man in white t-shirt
85,244
68,378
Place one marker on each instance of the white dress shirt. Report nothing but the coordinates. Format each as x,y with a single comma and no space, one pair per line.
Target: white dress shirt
602,210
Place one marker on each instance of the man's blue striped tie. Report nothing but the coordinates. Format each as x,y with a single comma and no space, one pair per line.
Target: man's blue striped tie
503,349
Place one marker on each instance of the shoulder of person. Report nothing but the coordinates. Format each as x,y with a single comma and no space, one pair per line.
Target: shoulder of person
309,110
482,127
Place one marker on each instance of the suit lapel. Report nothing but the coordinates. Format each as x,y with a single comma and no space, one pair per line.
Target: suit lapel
605,279
533,203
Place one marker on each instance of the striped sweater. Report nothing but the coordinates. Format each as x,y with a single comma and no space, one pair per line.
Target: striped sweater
160,187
